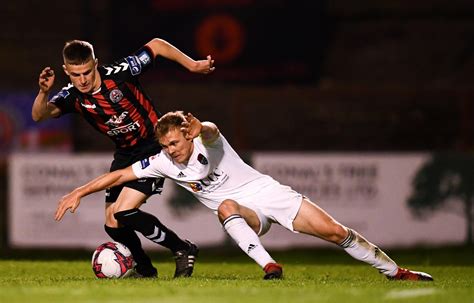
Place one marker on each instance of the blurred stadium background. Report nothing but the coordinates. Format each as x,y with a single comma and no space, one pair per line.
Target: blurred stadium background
348,101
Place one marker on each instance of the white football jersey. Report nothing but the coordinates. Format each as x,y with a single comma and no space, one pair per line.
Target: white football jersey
214,172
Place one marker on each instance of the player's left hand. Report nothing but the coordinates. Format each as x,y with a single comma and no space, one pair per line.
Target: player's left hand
70,201
204,66
191,128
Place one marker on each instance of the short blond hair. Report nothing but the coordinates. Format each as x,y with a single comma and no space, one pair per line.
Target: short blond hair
168,122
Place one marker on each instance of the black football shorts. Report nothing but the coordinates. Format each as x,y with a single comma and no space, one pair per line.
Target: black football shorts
127,156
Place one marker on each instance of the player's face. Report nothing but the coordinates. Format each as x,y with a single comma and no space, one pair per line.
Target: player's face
83,76
177,146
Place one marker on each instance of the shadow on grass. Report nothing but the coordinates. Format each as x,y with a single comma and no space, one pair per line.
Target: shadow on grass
452,255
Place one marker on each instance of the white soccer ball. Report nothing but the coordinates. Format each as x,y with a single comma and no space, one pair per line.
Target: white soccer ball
112,260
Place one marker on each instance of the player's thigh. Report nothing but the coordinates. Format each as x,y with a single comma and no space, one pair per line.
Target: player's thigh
129,198
313,220
251,217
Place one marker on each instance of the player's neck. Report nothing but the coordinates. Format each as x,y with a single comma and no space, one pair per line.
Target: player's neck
97,85
191,150
96,91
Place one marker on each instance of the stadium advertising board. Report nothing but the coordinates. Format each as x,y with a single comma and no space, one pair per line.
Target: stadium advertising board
37,182
368,192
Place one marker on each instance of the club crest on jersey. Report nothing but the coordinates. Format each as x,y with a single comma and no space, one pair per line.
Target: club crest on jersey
135,66
145,163
116,95
195,187
202,159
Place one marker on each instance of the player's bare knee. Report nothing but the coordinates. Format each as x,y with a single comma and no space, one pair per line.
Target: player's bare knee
110,220
109,215
227,208
119,208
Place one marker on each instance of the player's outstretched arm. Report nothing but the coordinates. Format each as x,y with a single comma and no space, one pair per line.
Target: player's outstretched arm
42,109
72,200
163,48
192,128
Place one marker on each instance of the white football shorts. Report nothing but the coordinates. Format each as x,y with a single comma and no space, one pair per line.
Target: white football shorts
274,203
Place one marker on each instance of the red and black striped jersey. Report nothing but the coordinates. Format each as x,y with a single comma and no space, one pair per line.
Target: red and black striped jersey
120,109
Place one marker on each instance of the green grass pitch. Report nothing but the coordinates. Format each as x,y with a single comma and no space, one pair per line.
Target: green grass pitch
223,276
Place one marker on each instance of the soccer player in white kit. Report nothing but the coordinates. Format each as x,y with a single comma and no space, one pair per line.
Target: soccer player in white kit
197,157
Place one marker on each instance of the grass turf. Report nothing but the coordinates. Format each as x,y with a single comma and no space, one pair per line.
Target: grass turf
310,276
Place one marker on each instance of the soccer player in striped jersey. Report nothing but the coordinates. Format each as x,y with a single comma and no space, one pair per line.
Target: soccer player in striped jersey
197,157
111,99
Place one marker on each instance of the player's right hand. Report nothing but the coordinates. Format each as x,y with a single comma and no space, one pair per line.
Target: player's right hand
191,128
46,79
70,201
204,66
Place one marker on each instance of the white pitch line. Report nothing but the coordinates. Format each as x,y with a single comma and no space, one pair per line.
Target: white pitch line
410,293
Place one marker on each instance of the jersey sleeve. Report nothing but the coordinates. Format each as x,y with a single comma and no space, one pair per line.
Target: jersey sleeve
145,58
148,168
131,66
216,143
65,100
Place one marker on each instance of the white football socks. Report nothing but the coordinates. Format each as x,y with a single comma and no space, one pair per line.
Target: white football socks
361,249
247,239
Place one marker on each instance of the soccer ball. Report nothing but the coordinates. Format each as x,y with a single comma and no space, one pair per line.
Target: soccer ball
112,260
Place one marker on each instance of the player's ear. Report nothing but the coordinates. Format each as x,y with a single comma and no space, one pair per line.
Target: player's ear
96,62
65,70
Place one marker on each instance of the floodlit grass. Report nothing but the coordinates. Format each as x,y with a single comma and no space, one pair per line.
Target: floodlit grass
310,276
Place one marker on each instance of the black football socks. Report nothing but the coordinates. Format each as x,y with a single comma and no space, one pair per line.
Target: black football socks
151,228
129,238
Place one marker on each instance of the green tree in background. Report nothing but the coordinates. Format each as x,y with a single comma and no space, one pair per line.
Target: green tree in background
446,182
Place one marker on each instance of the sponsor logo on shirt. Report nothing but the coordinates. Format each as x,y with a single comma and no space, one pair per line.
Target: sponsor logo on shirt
202,159
134,126
209,184
181,175
145,163
195,186
116,95
144,58
63,93
135,66
116,121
